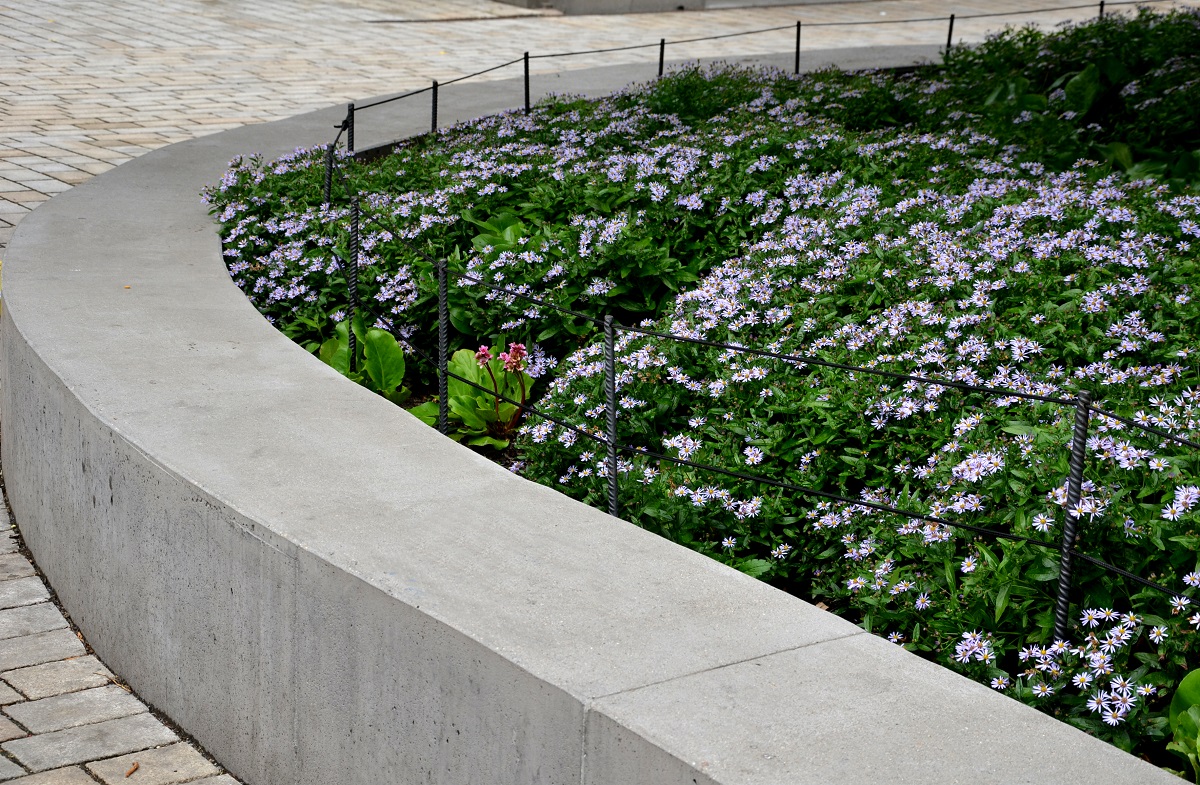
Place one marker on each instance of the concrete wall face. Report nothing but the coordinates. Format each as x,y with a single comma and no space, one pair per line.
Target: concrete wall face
323,590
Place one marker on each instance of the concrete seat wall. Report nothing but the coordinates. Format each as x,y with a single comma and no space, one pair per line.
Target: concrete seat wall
323,590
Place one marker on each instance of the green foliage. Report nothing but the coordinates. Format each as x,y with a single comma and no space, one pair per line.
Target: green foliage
379,364
1186,729
478,417
704,183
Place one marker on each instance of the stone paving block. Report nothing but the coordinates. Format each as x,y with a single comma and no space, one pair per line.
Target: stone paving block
163,766
8,769
42,647
10,730
30,620
14,565
56,678
9,695
71,776
89,742
76,708
22,591
224,779
9,544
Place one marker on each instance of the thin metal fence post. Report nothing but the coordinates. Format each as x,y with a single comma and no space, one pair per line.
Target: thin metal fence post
1062,606
662,55
797,46
1101,9
443,349
610,400
433,123
352,279
350,128
526,58
329,175
950,35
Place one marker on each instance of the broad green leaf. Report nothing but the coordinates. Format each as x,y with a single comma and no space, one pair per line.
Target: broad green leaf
383,360
1083,89
1187,695
426,413
754,567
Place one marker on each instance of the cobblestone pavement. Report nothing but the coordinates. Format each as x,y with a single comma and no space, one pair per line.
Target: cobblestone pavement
87,84
65,719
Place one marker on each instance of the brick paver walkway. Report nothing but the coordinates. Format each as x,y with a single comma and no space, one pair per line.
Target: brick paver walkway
87,84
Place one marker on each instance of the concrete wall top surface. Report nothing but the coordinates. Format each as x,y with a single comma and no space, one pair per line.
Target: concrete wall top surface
119,308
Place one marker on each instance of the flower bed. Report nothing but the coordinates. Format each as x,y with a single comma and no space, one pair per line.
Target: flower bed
945,223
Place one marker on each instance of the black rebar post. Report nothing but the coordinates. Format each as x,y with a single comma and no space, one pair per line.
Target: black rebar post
352,279
1101,9
350,128
797,46
527,83
433,122
610,401
443,349
950,35
662,55
329,175
1062,606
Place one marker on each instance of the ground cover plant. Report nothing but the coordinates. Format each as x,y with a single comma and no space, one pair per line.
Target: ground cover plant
1024,217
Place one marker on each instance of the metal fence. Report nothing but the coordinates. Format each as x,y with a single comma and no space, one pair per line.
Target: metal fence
1081,404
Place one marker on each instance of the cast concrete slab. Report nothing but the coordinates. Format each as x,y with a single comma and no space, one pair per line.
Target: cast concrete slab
72,775
76,708
36,649
89,742
22,591
163,766
29,620
859,710
56,678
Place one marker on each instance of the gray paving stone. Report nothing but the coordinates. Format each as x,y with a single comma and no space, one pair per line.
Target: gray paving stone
163,766
8,545
224,779
10,730
89,742
55,678
22,591
14,565
8,769
76,708
71,776
39,648
9,695
30,619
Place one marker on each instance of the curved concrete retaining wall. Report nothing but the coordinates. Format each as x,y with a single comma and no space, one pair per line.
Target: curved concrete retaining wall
322,590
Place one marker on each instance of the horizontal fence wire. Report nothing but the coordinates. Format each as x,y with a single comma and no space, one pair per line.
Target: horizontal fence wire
382,101
1126,574
798,358
1148,428
865,22
529,409
530,298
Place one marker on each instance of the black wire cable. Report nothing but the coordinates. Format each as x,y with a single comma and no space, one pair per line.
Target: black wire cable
1124,573
1148,428
383,101
530,298
749,32
841,366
